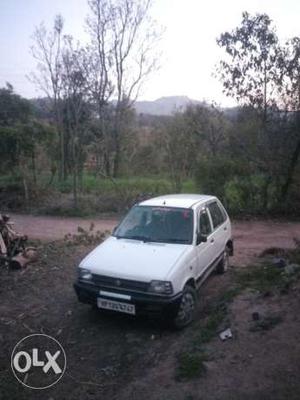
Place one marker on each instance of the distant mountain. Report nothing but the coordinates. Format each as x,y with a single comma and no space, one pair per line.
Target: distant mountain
164,105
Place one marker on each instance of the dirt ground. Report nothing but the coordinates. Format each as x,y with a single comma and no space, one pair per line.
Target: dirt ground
250,237
117,357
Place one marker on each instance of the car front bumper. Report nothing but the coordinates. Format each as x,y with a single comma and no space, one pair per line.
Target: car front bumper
145,304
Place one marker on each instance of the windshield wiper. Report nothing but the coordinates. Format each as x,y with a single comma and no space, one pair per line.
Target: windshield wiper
135,237
173,240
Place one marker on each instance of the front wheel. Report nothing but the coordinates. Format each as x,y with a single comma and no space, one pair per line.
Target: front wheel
186,311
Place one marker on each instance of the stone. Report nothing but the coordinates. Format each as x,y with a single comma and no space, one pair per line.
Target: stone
279,262
290,269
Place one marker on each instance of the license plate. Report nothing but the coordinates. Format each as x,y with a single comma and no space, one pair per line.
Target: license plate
116,306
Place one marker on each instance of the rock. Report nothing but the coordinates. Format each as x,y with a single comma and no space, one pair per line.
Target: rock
255,316
227,334
290,269
279,262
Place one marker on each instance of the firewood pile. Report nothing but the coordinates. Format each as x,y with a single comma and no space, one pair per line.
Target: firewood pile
13,252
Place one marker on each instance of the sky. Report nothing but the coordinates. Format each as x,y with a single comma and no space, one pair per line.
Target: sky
188,47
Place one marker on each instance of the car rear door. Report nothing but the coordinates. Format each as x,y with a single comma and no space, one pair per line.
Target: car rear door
220,223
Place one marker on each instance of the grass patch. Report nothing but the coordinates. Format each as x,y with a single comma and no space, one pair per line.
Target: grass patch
190,366
294,254
94,184
191,363
267,278
217,312
266,324
230,294
262,278
209,330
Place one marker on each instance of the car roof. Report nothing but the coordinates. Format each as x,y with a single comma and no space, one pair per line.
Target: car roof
178,200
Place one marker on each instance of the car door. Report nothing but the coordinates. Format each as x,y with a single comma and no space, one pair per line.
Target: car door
205,249
219,224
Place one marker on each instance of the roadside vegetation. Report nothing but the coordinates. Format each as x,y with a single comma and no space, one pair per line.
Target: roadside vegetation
83,150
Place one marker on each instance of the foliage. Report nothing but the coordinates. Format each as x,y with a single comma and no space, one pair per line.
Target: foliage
266,324
250,72
80,141
21,134
190,365
213,173
260,72
85,237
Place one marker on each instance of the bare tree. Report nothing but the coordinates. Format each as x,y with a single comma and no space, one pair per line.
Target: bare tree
47,50
125,39
74,95
99,67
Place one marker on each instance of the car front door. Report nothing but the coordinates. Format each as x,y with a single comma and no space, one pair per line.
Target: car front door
206,248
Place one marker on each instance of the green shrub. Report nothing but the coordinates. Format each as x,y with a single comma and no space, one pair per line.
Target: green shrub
213,174
190,365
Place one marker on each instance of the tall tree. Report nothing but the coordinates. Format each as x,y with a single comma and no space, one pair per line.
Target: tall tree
125,38
100,82
75,94
47,50
250,74
20,134
289,65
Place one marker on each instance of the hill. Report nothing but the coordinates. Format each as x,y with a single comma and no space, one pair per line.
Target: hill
164,105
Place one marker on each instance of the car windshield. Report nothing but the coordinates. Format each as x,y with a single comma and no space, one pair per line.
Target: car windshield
157,224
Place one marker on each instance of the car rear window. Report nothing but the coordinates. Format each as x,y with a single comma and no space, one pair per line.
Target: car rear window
217,215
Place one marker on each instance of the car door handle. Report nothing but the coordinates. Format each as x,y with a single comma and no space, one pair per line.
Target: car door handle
225,228
212,240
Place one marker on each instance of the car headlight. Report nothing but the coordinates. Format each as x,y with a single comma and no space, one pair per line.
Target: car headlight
85,274
161,287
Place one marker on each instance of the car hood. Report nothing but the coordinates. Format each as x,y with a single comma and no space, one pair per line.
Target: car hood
132,259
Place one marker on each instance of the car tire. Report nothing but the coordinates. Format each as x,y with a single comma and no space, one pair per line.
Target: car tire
224,263
187,307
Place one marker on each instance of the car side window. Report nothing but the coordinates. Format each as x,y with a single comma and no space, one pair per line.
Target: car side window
204,222
217,216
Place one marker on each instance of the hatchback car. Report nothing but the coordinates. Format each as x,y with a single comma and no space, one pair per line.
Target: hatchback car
157,258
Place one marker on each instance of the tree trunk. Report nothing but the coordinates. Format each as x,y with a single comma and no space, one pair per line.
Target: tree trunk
290,172
33,167
265,193
106,163
26,191
116,165
294,160
60,132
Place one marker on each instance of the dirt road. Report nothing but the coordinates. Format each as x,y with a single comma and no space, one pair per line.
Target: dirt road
116,357
251,237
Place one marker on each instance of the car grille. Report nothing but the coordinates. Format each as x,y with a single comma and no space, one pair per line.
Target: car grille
117,283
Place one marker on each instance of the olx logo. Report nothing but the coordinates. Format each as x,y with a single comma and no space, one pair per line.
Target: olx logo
38,361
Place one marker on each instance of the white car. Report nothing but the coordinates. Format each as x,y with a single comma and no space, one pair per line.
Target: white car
157,257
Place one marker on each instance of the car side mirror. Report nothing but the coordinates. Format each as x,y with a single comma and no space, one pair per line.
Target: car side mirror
201,238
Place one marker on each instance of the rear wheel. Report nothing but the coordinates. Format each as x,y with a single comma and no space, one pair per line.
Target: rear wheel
186,311
224,263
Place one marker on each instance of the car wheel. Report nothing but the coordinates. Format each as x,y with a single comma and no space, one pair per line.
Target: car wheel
186,311
224,263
